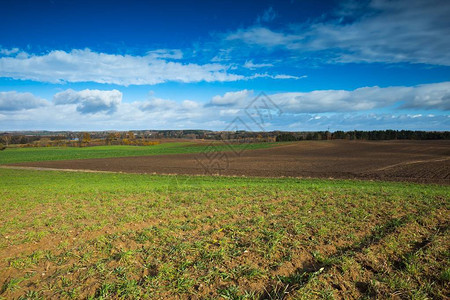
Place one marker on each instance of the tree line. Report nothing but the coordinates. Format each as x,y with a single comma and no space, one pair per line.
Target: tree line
144,138
375,135
78,139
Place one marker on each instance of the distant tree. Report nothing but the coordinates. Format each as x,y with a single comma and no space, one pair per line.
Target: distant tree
110,138
2,147
286,137
84,138
6,139
338,135
130,135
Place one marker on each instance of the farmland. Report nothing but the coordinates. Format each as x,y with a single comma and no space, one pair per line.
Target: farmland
14,155
137,235
417,161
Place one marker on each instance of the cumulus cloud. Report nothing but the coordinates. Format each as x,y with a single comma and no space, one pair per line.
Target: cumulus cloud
389,31
315,110
362,108
88,66
427,96
168,110
12,101
157,104
130,116
365,98
189,104
231,98
90,101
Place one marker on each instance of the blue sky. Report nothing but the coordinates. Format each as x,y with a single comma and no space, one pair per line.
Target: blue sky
342,65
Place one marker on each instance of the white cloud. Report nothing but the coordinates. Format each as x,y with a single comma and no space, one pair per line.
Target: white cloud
336,100
427,96
229,112
88,66
430,96
262,36
250,65
90,101
390,31
279,76
189,104
315,110
130,116
167,111
222,55
166,53
11,101
157,104
9,51
231,98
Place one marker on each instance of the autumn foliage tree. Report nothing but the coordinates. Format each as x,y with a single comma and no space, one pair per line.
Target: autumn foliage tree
84,138
112,137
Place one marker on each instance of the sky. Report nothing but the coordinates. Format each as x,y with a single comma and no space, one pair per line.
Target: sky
218,65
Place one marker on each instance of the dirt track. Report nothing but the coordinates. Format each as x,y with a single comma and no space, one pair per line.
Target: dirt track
416,161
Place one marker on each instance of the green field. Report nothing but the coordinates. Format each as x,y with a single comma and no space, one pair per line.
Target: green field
17,155
98,235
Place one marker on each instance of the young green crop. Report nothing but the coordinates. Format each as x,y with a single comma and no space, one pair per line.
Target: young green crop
17,155
107,235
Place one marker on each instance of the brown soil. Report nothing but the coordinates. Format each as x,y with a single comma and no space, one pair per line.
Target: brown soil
416,161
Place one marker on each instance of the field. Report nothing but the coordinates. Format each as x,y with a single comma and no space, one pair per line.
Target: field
15,155
129,235
85,235
416,161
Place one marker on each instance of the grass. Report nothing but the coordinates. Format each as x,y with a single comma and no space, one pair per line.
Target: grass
100,236
18,155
